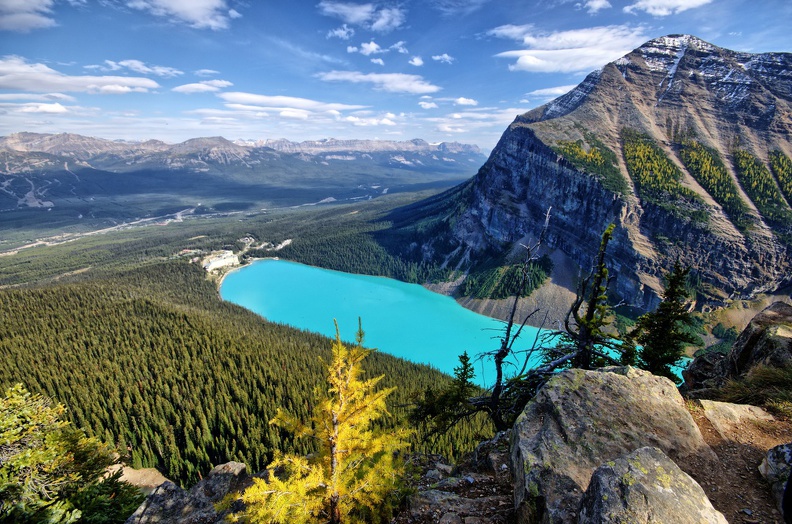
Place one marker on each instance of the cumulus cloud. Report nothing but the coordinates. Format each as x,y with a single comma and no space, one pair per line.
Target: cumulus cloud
378,61
594,6
462,101
365,122
55,108
17,73
206,86
241,100
417,61
206,72
400,47
664,7
344,32
369,16
370,48
388,19
138,67
445,58
457,7
25,15
48,97
427,105
390,82
201,14
552,91
568,51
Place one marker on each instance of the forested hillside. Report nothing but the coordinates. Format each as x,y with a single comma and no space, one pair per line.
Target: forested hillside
147,357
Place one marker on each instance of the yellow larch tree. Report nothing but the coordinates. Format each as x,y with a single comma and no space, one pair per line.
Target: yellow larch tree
357,468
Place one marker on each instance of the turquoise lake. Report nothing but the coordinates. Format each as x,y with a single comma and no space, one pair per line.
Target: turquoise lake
404,320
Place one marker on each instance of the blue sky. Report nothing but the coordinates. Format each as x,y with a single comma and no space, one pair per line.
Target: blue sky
441,70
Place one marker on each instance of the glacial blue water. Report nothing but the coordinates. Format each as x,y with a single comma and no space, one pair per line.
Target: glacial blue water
404,320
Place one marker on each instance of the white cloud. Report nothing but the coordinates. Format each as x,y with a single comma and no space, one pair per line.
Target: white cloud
206,86
206,72
417,61
369,16
344,32
427,105
400,47
357,121
55,108
378,61
352,49
296,114
664,7
201,14
462,101
594,6
25,15
355,14
390,82
17,73
552,92
458,7
577,50
388,19
445,58
370,48
139,67
242,100
30,96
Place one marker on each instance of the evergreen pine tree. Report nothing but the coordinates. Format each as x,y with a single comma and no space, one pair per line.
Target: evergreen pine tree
661,333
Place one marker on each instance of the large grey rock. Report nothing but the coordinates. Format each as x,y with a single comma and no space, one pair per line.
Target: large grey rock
776,468
582,419
171,504
766,340
728,419
705,374
645,487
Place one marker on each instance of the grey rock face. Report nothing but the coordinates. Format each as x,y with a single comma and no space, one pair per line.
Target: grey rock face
645,487
776,468
582,419
170,503
669,84
766,340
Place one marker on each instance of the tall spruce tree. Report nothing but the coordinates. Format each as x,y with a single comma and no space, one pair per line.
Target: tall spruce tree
662,334
356,470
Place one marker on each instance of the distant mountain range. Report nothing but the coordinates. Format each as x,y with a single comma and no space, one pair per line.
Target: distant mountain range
96,182
26,152
685,146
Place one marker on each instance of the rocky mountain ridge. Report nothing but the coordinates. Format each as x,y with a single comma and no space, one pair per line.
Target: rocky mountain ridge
621,148
208,153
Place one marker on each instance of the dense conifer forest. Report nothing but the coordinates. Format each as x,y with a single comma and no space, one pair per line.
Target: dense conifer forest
136,342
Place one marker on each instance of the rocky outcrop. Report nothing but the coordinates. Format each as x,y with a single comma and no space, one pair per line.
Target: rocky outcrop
767,340
645,487
579,421
171,504
776,468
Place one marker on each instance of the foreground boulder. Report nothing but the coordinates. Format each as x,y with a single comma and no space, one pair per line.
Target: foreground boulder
579,421
776,468
170,503
645,487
